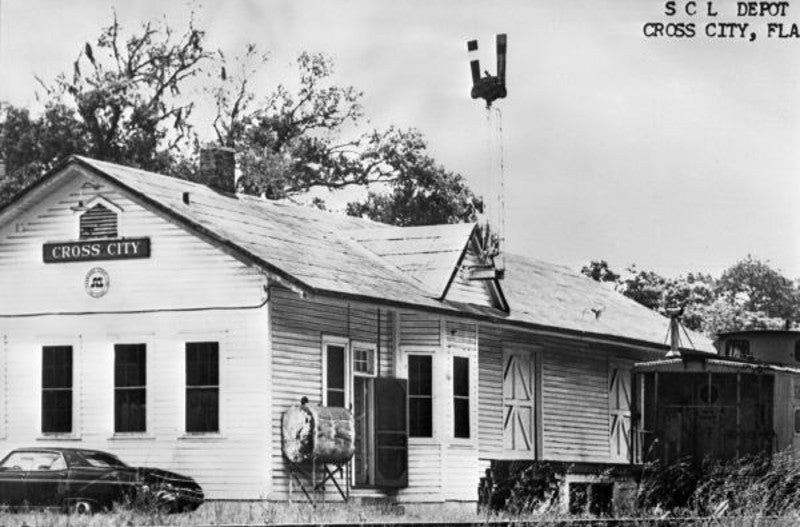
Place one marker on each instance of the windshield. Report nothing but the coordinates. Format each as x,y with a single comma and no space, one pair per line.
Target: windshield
26,460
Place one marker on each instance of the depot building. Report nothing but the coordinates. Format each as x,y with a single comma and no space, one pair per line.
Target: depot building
173,323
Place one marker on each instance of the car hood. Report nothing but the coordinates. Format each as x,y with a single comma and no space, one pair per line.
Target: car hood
157,475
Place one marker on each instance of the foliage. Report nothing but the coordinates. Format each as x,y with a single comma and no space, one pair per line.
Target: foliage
667,487
761,289
748,295
599,271
32,145
534,487
422,193
125,101
125,91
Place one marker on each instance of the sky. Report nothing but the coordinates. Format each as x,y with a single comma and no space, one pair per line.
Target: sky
675,154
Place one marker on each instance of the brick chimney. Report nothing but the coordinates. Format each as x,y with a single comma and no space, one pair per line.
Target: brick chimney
218,168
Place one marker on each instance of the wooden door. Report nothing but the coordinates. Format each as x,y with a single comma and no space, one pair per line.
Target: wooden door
519,401
619,411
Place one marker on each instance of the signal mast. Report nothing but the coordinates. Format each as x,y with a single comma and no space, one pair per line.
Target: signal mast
490,88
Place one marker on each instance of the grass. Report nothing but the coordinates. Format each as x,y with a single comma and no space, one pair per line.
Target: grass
751,492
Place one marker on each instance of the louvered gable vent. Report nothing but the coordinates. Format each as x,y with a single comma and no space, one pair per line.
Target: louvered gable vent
98,222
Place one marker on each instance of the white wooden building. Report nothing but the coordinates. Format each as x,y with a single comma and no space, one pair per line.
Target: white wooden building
173,323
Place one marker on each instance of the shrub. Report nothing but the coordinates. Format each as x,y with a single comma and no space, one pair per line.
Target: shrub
531,488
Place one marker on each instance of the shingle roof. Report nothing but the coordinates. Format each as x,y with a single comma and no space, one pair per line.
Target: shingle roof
429,253
333,253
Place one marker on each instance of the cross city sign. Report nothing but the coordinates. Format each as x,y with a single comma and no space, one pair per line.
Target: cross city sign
84,251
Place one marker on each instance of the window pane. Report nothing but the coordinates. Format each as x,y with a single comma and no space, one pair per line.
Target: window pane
129,410
56,411
336,398
202,409
461,376
461,413
335,368
57,367
129,367
419,375
420,417
202,363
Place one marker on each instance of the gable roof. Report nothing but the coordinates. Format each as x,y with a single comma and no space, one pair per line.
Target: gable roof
325,253
429,253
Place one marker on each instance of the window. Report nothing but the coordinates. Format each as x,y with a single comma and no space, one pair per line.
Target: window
130,390
420,396
56,389
797,351
363,361
797,420
202,387
461,397
98,222
28,460
335,393
738,348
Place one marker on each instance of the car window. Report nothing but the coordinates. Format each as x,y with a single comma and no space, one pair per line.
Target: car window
34,461
101,460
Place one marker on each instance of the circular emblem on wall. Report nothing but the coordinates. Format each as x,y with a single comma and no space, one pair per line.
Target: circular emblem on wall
97,282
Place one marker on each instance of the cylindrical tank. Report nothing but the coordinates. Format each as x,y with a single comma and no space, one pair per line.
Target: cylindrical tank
321,433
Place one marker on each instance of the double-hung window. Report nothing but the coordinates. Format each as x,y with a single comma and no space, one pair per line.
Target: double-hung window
461,397
420,395
130,388
202,387
56,389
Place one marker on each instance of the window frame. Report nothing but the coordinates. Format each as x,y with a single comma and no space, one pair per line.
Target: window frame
343,342
147,428
188,387
468,397
432,395
50,389
360,345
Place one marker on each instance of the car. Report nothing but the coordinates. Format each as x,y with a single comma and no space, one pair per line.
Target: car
85,481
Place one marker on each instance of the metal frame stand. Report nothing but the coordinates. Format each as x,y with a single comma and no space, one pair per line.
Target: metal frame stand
328,471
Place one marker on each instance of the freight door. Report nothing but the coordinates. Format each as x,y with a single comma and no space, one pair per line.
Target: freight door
519,401
619,410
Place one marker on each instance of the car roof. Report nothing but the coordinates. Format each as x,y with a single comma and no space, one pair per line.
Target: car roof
60,449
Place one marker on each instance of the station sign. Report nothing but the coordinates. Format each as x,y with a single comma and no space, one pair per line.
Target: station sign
92,250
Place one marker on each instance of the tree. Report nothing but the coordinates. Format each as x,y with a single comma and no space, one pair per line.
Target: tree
748,295
122,103
761,289
599,271
32,145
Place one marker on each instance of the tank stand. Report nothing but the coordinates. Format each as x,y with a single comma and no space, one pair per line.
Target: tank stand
306,478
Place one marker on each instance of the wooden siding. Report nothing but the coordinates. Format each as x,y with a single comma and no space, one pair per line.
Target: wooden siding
183,271
490,381
419,329
573,406
478,292
298,326
231,464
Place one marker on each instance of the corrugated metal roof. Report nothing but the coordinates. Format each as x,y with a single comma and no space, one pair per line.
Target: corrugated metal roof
405,265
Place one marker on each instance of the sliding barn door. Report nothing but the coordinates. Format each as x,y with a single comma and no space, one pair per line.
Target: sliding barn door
519,401
619,411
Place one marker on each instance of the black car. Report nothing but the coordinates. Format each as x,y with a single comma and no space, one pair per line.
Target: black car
85,481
